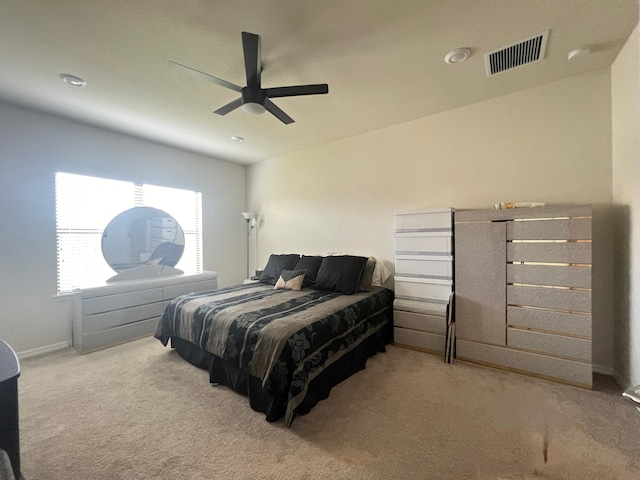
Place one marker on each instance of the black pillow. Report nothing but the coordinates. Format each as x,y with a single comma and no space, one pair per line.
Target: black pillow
340,274
276,264
311,265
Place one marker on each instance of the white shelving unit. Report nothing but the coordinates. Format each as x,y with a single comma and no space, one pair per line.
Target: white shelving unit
424,278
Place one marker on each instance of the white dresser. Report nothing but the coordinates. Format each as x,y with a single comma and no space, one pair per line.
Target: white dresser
423,278
119,312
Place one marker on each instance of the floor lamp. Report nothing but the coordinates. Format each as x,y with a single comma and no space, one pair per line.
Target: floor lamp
250,218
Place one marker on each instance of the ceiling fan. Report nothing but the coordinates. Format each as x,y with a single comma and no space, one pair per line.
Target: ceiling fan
254,99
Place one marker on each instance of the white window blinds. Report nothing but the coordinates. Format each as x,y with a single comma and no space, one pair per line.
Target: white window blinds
84,207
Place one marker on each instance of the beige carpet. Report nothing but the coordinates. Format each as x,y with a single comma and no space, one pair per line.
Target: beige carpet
138,411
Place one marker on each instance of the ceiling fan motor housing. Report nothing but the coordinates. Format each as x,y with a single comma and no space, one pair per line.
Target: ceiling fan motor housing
253,96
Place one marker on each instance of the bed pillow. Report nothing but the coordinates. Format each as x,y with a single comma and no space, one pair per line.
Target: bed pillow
290,279
275,265
311,264
380,274
340,274
367,275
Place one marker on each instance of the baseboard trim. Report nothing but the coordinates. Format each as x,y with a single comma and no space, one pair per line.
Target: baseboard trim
604,370
34,352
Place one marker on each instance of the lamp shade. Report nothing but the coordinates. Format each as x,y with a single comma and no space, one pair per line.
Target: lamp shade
248,216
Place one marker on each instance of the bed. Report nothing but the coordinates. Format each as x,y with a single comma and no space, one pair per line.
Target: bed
284,347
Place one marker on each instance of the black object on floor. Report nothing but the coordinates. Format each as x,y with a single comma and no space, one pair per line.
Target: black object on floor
9,430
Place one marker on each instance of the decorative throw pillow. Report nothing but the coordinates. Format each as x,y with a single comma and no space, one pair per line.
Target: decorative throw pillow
367,275
276,264
290,280
311,264
340,274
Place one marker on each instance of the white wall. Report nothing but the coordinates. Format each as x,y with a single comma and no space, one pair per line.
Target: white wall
550,143
33,146
625,95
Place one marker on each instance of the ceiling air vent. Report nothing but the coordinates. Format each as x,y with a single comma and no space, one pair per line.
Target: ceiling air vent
516,55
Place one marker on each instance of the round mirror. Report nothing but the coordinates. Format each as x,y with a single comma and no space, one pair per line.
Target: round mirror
142,236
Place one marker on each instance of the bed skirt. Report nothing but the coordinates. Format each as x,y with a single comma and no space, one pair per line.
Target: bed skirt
225,373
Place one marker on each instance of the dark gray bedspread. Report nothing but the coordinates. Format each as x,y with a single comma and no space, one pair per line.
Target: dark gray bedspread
285,338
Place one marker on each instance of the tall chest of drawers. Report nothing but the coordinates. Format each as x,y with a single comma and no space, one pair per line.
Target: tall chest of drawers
424,277
523,290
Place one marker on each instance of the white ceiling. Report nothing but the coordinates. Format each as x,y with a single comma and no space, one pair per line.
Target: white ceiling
382,59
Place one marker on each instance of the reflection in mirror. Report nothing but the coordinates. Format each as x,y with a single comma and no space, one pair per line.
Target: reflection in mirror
142,237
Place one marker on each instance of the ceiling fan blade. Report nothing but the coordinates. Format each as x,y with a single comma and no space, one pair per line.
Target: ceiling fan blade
204,76
297,90
252,62
229,107
276,112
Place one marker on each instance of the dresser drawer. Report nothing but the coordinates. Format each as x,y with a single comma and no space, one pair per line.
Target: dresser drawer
554,368
419,322
423,221
103,321
438,309
108,303
551,344
420,340
406,266
416,244
551,320
550,298
417,288
113,336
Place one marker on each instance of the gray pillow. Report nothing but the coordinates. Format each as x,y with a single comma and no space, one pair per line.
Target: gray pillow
367,276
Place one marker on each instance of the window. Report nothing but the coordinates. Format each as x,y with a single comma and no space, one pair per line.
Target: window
84,207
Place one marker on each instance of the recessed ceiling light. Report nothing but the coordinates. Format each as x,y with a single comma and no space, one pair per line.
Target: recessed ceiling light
72,80
578,54
458,55
237,139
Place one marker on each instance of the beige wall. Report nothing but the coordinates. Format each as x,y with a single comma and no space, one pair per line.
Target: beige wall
33,146
550,143
625,97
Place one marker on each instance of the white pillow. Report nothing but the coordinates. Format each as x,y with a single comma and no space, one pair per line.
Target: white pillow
380,273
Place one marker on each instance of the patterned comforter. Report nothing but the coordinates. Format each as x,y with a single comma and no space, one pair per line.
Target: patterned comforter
285,338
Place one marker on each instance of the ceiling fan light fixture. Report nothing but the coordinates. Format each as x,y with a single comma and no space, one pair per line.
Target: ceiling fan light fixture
458,55
253,108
